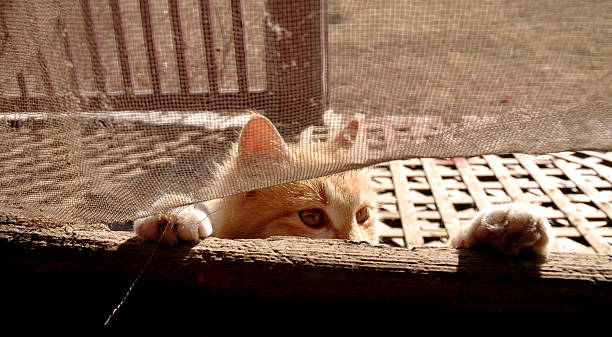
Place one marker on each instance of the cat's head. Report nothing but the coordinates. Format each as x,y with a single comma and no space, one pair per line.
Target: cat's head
341,206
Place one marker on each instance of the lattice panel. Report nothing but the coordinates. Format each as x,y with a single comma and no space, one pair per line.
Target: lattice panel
425,200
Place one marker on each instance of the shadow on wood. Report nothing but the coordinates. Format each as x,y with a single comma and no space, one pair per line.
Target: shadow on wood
82,273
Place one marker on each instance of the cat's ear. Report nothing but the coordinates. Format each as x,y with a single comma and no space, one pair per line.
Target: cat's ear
259,140
348,135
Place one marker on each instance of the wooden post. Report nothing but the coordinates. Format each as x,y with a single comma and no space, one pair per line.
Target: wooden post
296,44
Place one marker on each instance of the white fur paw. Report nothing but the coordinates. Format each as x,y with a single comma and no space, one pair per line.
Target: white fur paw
510,228
186,224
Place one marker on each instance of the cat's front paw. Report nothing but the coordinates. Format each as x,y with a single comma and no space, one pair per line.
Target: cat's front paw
186,224
510,228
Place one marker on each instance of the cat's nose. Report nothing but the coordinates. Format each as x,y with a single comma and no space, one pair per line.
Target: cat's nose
355,234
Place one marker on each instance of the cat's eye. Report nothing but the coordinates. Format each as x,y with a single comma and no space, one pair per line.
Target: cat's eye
362,215
314,218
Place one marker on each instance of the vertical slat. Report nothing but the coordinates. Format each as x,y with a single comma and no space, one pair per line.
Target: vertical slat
92,43
472,183
81,57
49,91
122,46
33,78
75,90
445,207
195,53
410,225
179,45
23,90
209,45
253,16
53,58
145,14
564,205
239,46
324,54
582,184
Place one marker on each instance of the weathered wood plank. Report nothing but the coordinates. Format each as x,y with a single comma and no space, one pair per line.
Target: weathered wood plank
81,274
412,233
445,207
565,205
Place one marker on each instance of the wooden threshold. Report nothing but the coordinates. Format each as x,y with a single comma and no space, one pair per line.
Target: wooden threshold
82,273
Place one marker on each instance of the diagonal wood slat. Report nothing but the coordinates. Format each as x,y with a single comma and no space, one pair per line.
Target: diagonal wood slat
472,183
602,156
601,170
582,184
508,182
564,204
513,183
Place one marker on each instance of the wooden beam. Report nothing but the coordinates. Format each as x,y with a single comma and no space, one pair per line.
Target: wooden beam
83,272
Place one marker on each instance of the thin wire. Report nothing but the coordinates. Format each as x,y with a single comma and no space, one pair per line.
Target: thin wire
129,291
169,224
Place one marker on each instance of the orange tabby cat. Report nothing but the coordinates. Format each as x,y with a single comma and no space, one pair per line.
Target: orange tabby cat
341,206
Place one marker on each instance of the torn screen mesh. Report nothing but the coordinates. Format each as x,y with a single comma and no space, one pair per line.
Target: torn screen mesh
107,105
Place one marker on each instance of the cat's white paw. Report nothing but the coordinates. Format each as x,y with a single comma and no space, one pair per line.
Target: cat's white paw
510,228
186,224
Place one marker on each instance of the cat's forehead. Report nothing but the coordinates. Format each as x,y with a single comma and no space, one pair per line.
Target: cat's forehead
347,188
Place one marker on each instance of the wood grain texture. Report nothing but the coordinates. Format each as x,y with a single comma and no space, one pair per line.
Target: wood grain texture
412,233
90,269
442,198
471,182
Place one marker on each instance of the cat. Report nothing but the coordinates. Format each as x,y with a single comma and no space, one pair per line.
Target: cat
339,206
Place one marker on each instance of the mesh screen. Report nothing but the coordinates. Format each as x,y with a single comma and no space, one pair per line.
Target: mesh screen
107,105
